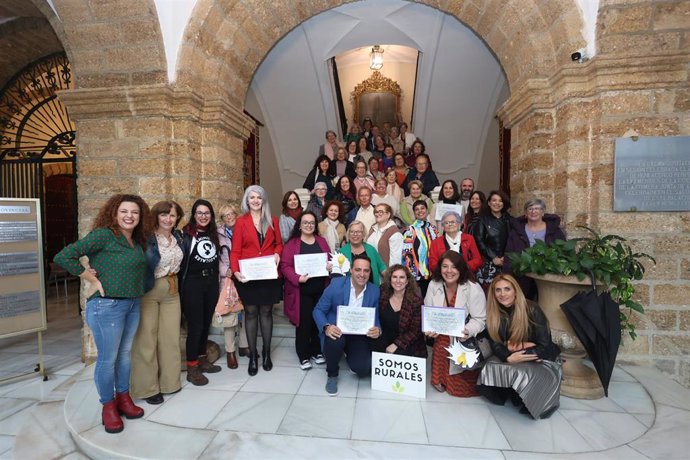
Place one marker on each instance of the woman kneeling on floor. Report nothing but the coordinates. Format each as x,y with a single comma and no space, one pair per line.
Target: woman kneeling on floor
525,365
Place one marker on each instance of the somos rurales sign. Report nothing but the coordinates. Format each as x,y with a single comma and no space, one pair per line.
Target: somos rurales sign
403,375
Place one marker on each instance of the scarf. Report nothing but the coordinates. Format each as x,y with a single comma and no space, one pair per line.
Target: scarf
329,149
332,234
228,231
294,213
454,243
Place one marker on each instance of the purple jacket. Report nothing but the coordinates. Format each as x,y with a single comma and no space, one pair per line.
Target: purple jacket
287,268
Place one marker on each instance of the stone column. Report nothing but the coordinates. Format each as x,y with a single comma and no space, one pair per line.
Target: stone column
155,141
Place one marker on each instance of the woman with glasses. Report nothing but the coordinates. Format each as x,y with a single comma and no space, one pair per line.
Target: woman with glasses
406,211
226,228
384,235
199,287
318,199
256,235
453,239
525,230
363,178
302,291
357,246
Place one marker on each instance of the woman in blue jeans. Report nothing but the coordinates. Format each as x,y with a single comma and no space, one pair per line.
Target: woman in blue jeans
115,248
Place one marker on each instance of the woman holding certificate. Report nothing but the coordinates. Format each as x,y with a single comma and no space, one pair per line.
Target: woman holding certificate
256,250
304,286
525,365
400,313
453,286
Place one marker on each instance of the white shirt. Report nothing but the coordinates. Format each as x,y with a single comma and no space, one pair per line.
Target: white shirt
389,200
366,216
465,204
395,243
356,300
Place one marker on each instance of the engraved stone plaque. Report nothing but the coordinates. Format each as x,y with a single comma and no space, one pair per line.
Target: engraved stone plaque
20,303
18,263
18,231
652,174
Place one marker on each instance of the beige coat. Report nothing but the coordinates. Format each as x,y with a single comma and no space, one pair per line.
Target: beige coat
470,295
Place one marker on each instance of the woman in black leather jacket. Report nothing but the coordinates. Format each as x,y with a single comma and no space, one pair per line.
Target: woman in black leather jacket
491,235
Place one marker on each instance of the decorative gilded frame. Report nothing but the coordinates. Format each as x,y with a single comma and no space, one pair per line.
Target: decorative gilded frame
376,83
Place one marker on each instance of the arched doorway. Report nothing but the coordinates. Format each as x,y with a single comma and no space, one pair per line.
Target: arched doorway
37,147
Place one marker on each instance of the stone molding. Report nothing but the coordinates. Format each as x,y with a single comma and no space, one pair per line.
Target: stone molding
601,74
156,101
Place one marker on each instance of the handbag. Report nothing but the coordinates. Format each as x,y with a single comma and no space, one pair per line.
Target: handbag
229,300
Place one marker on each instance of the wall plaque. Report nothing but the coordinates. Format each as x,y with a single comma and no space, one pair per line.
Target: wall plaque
652,174
18,231
18,263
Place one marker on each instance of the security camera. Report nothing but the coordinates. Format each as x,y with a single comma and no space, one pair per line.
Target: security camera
580,56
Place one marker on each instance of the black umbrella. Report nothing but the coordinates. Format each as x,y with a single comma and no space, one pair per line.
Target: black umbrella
595,318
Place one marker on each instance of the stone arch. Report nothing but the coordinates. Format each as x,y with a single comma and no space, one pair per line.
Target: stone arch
113,43
226,41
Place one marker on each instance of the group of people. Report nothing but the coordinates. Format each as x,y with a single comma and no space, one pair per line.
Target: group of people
145,275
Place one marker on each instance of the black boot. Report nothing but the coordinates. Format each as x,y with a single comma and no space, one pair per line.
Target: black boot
267,363
253,364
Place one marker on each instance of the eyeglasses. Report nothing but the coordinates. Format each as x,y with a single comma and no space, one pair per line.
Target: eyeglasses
319,189
202,214
308,224
379,213
356,232
450,222
535,209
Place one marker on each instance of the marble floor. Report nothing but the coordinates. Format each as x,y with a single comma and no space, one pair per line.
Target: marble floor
285,413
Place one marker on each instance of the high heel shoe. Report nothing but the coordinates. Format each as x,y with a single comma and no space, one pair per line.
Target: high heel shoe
266,362
253,364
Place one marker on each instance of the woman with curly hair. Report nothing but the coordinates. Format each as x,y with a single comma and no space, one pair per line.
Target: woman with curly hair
400,314
115,248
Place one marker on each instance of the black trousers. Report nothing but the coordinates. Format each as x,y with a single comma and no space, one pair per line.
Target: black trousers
199,298
358,354
307,343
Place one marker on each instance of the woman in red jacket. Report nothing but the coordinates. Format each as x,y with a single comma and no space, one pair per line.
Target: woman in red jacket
454,239
257,234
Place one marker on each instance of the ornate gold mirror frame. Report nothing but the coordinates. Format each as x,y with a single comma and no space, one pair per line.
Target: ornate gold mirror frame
376,83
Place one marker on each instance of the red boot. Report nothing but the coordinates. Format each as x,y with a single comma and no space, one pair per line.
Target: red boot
126,406
111,419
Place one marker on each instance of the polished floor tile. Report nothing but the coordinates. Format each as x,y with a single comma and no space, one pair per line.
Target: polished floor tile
55,439
225,380
618,453
37,389
602,404
471,426
668,438
253,413
281,379
314,383
6,444
524,433
191,409
663,390
604,430
319,416
389,421
632,397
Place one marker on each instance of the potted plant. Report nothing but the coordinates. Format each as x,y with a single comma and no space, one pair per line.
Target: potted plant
564,268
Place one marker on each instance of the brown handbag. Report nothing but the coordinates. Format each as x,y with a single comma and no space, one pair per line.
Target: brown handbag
229,300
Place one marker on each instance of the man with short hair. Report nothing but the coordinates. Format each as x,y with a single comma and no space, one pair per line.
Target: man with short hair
466,190
353,290
364,212
423,173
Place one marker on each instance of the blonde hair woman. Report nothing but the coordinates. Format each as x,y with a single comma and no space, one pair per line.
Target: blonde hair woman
524,365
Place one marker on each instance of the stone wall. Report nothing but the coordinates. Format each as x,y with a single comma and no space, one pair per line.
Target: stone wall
140,135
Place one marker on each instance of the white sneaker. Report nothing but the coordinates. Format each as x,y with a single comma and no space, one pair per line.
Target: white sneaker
319,359
305,365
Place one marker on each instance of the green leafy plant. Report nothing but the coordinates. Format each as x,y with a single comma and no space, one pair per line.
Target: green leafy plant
397,387
606,257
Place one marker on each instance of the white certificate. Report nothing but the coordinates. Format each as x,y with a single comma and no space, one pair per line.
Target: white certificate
443,320
355,320
313,265
259,268
442,208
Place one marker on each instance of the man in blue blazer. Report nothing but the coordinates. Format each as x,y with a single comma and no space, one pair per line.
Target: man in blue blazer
353,290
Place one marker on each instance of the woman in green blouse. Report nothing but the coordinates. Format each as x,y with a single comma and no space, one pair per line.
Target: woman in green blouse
115,248
356,246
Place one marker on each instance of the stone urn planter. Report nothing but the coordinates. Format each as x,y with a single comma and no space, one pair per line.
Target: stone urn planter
580,381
